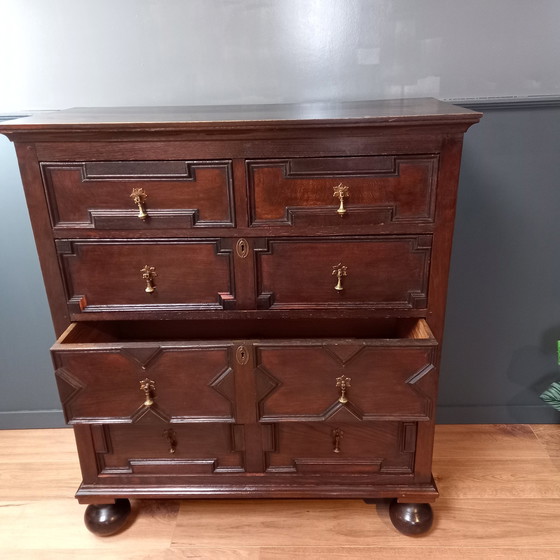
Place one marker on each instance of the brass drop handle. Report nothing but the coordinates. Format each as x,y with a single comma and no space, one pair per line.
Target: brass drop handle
343,383
148,274
171,438
337,436
339,271
139,196
149,387
341,192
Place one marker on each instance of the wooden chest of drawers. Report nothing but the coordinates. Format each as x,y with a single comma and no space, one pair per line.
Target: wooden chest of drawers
250,300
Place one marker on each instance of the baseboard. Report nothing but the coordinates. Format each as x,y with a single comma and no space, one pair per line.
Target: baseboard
30,419
514,414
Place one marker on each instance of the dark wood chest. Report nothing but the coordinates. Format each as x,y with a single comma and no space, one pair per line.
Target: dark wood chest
249,300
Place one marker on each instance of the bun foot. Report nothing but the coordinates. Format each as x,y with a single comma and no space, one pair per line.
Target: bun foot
107,519
411,519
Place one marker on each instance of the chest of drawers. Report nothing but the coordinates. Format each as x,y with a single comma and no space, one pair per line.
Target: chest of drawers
249,300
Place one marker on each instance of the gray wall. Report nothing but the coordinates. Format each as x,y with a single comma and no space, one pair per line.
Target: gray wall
503,305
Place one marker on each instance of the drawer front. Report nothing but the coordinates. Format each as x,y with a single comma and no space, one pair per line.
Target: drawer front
117,275
139,194
347,381
324,448
122,383
368,190
153,447
365,272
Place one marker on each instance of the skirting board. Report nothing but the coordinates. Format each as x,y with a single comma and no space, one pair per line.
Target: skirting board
497,414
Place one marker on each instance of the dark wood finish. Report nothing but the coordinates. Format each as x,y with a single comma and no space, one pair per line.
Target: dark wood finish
107,275
381,189
381,272
178,194
225,379
411,519
107,519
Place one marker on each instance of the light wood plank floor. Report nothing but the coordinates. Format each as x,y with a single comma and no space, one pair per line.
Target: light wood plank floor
500,498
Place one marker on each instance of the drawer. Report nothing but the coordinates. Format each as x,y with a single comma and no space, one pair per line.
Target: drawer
153,447
349,380
365,190
373,448
359,272
155,275
139,194
105,375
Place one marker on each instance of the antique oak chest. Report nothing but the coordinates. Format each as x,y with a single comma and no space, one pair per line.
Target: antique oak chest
249,299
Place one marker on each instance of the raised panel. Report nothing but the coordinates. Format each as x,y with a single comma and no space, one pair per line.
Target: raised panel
178,194
380,381
102,383
155,447
374,449
109,275
380,190
374,272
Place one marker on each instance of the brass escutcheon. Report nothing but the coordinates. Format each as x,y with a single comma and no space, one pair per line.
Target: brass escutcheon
139,196
242,355
343,383
341,192
148,274
242,248
339,270
148,386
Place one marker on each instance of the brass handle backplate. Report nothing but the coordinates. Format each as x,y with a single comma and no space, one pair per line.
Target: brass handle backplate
341,192
337,436
343,383
339,271
149,387
139,196
148,274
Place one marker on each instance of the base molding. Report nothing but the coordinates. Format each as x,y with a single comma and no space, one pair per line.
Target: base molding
496,414
32,419
97,494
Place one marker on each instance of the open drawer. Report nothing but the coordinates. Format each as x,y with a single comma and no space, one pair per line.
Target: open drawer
195,371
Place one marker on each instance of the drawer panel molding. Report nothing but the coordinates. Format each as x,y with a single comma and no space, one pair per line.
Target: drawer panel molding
174,194
377,190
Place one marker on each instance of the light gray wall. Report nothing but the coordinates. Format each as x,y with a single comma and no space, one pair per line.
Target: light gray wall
63,53
502,327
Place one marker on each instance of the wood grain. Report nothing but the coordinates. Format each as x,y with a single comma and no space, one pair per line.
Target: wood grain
500,500
549,436
490,441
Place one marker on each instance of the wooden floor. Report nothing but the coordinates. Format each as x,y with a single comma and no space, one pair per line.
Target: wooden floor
499,486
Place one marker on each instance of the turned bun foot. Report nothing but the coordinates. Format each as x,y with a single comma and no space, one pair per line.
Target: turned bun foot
411,519
107,519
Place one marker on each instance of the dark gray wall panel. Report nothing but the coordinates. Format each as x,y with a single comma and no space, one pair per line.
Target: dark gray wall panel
26,334
503,316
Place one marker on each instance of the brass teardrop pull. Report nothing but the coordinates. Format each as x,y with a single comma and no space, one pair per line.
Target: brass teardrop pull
171,437
148,274
341,192
343,383
139,197
339,271
149,387
337,436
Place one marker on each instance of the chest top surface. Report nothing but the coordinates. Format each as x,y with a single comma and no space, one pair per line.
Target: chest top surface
319,114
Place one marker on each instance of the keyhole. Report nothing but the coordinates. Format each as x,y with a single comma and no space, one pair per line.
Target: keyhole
242,248
242,355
